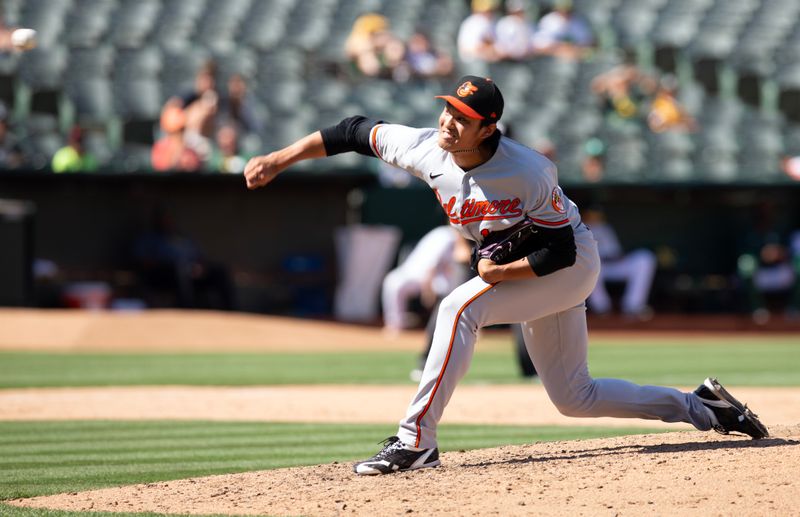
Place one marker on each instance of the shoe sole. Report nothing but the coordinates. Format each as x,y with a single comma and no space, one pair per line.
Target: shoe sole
722,394
377,472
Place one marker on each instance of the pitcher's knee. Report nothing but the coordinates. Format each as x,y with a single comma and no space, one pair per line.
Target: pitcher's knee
571,409
576,403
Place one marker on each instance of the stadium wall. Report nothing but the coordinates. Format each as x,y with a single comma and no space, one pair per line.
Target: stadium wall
86,223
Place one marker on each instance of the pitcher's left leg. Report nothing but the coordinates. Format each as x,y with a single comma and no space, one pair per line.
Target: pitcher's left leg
448,361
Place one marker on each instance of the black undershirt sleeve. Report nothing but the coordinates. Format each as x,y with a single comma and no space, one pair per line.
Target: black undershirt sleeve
351,134
558,251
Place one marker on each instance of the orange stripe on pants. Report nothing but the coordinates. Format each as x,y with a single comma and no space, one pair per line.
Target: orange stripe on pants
446,361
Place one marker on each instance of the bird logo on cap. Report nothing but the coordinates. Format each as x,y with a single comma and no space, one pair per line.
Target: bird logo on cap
466,89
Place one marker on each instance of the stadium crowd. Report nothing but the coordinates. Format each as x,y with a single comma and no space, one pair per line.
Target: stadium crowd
612,90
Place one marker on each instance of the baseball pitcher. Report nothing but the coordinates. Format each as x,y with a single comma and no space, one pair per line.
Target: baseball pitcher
536,261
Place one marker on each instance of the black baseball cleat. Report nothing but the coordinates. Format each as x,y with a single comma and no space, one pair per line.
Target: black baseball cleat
397,457
728,414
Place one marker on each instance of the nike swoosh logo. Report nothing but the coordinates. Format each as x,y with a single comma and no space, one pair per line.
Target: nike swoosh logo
434,176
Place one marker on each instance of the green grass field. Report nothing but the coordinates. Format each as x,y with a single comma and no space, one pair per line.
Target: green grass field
38,458
755,361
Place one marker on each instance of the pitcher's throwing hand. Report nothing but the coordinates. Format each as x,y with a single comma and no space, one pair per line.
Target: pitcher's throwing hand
260,170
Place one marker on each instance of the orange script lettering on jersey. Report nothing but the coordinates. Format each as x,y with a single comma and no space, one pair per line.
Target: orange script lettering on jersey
473,210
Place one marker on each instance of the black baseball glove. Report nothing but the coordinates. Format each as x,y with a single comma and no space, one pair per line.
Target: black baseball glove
508,245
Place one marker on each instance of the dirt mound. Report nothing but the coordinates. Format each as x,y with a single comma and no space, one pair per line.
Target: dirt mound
686,473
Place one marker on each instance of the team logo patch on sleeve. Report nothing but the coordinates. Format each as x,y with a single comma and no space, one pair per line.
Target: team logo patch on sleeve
558,200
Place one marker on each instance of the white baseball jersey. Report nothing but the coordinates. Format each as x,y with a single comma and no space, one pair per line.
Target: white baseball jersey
514,183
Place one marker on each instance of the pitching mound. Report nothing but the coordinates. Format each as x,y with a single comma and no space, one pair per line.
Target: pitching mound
686,473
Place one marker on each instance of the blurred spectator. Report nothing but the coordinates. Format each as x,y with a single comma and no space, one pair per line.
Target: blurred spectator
666,112
563,33
625,90
791,166
636,269
769,263
544,146
168,262
476,36
372,48
226,156
73,157
593,165
170,152
422,61
237,106
10,152
514,33
199,106
5,34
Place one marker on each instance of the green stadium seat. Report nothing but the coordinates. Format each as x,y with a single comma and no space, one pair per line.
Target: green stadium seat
87,22
132,22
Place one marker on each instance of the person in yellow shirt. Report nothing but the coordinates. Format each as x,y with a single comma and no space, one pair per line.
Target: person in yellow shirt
666,113
372,48
73,157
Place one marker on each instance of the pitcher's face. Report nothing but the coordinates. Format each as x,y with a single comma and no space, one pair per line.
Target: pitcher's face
458,131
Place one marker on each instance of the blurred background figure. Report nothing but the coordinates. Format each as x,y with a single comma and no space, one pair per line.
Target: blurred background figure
10,152
526,366
666,112
625,91
200,106
428,273
456,260
514,33
73,157
593,164
636,269
422,61
476,36
171,152
5,35
372,49
237,107
226,156
769,265
563,33
201,102
174,272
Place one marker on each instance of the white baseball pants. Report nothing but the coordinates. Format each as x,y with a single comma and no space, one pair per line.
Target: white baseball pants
554,315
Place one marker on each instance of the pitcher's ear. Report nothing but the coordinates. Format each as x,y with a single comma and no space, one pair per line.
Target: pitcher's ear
487,131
